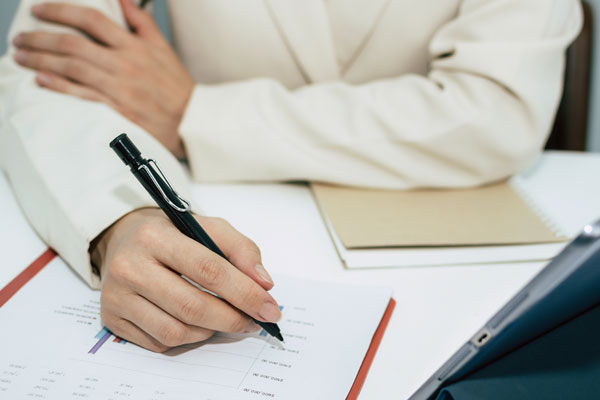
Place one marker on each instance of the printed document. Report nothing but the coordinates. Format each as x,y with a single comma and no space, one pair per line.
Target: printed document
54,346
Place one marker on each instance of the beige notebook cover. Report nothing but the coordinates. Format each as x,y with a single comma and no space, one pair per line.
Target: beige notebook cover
489,215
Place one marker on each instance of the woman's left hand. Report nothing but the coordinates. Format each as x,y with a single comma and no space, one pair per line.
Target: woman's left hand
137,73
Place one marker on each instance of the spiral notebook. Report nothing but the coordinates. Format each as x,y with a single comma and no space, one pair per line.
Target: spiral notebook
384,228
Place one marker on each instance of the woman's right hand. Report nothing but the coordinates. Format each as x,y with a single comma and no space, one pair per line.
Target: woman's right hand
146,301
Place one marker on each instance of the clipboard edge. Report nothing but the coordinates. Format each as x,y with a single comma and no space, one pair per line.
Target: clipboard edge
368,360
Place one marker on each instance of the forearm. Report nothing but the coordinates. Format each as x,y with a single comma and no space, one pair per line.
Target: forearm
482,113
54,149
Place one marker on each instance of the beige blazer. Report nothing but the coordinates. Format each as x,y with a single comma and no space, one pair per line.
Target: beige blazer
382,93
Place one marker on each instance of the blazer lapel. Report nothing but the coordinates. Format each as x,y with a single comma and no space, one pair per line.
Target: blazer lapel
353,23
304,25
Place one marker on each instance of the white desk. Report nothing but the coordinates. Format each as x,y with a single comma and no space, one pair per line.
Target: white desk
438,308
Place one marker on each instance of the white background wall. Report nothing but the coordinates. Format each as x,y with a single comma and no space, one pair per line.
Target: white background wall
7,8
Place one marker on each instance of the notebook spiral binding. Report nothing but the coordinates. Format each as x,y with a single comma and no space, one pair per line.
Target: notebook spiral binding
519,187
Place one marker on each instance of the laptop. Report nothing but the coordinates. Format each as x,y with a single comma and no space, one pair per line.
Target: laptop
564,289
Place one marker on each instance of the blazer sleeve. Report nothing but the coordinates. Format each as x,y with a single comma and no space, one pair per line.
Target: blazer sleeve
54,150
482,112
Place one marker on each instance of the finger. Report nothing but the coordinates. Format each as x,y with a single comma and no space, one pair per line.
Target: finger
70,45
130,332
189,304
242,252
160,325
72,68
214,273
88,20
142,23
62,85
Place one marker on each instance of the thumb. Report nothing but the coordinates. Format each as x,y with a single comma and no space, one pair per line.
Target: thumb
141,23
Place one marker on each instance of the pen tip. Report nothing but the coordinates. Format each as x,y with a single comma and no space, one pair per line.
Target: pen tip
280,338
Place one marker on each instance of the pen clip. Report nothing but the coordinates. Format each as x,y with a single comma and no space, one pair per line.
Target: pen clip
160,189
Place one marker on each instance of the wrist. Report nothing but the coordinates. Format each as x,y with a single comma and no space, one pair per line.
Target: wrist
179,149
101,244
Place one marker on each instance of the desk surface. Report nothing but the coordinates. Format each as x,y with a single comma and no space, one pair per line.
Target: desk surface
438,308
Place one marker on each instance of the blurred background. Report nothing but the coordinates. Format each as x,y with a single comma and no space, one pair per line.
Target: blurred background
571,112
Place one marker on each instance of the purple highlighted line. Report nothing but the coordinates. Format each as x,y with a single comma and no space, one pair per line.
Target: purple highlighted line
102,337
100,342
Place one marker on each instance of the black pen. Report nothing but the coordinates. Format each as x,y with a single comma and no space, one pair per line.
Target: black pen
177,209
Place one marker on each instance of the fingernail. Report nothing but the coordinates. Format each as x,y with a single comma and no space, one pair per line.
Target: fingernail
18,39
42,78
270,312
252,327
264,275
20,56
37,9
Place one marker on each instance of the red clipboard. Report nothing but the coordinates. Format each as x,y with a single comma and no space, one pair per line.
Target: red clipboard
20,280
366,364
36,266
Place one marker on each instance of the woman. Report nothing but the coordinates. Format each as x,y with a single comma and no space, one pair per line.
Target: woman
381,93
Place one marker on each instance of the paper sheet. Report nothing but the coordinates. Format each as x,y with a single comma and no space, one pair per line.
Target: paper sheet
59,349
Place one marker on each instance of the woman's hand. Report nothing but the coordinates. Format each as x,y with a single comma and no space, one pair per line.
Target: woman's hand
137,73
145,300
